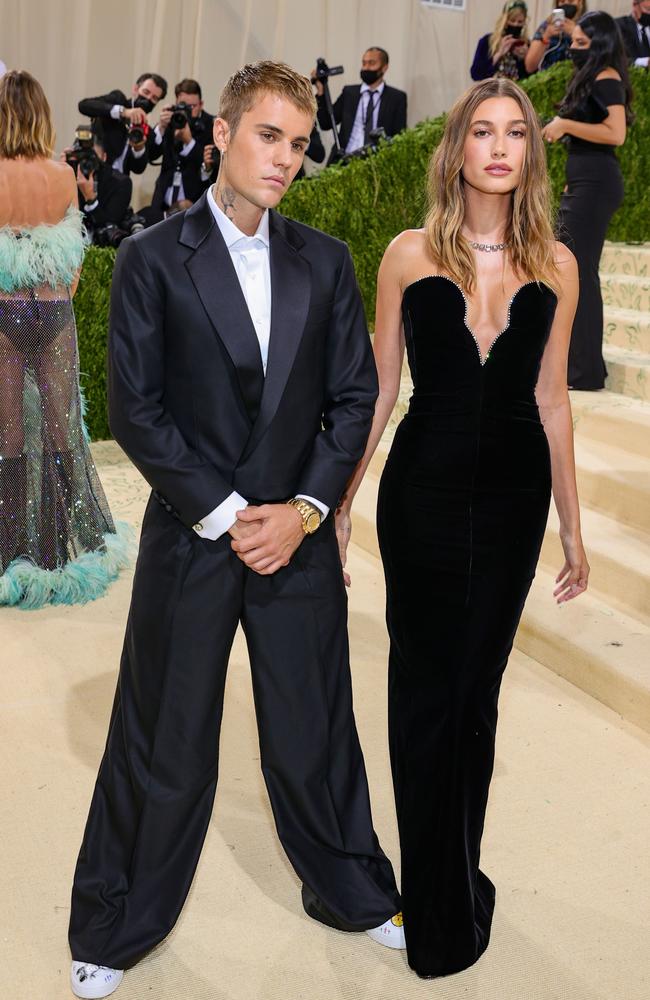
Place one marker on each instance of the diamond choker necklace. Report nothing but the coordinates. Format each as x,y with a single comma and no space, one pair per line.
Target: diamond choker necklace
488,247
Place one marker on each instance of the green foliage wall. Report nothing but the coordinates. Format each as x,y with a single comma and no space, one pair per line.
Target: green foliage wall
367,203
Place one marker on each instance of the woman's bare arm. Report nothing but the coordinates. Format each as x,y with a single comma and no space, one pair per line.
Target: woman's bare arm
555,412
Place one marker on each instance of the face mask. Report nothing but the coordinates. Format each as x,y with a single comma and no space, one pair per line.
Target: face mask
570,10
644,20
370,76
579,57
514,30
144,103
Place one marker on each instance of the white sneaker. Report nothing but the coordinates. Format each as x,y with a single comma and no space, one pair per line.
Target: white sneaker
390,933
91,981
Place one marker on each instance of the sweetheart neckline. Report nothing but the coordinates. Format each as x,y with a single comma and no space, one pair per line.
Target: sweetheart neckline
445,277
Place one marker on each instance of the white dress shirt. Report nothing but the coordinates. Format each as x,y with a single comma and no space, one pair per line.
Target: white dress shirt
251,260
356,135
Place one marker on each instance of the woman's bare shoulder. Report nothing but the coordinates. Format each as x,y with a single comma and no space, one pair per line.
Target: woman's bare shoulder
408,243
36,191
563,257
609,73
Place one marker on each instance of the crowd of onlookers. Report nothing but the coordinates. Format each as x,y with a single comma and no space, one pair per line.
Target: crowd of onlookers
509,50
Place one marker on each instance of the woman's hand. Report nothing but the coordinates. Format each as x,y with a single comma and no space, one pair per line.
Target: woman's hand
343,525
573,577
507,43
555,130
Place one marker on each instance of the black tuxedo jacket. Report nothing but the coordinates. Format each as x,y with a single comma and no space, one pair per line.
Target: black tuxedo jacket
187,396
392,111
190,165
630,34
114,129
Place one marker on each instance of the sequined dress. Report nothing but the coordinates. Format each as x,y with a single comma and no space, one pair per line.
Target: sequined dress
58,541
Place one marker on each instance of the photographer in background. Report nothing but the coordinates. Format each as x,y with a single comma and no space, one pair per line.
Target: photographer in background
124,121
180,137
503,52
362,108
635,32
552,40
104,193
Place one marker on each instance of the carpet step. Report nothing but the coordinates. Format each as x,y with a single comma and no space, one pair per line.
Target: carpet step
629,371
626,291
612,419
627,328
619,558
625,258
597,648
614,481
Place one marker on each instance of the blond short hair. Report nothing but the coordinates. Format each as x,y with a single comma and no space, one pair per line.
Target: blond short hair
265,77
25,118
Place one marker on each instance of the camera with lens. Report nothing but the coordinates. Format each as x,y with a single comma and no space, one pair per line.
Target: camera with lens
324,72
182,116
138,133
81,155
111,235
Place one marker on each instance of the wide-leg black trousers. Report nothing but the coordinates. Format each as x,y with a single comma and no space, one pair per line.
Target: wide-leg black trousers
154,793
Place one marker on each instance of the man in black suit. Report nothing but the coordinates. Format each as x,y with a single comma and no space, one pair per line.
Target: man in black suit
105,195
242,386
360,108
118,114
180,177
635,30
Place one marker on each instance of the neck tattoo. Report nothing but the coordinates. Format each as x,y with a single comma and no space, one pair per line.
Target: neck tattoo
227,198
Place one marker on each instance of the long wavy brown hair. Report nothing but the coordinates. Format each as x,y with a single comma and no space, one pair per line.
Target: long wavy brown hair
25,118
529,232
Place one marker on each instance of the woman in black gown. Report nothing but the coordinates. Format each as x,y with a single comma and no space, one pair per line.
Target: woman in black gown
483,298
594,115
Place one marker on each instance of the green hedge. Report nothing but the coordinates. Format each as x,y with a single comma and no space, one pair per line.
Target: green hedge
367,203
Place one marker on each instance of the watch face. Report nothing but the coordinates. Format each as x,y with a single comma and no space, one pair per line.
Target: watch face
312,523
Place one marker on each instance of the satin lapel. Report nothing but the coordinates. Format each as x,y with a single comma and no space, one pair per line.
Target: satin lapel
215,279
290,295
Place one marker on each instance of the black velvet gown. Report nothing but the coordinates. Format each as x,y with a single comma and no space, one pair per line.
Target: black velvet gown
463,504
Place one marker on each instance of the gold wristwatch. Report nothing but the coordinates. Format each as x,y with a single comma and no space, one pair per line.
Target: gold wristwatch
311,516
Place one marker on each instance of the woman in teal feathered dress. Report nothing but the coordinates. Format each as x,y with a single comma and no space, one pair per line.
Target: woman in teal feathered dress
58,542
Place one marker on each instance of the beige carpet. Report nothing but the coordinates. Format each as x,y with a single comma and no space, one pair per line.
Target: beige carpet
566,840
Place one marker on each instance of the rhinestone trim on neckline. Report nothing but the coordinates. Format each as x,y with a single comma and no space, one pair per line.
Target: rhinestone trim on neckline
445,277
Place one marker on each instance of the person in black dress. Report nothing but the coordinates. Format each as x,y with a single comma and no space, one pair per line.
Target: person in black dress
594,115
483,298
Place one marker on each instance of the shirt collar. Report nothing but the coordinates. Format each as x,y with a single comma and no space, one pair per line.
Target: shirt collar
229,230
378,90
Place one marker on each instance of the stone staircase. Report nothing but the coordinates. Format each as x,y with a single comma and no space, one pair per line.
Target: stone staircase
601,641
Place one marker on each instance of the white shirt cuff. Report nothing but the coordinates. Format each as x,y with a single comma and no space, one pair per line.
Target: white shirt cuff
205,174
219,520
116,111
188,147
642,61
158,135
90,206
316,503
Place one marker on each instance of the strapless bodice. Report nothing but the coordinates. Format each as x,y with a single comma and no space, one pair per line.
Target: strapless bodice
46,254
447,366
